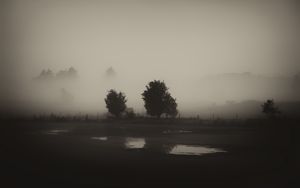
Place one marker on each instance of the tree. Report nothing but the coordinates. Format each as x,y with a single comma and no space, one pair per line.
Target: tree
171,106
269,108
46,75
68,74
115,102
158,100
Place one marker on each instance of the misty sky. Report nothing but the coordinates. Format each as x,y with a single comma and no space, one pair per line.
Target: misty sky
170,40
194,37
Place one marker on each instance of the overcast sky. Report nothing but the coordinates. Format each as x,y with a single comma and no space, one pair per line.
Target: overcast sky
194,37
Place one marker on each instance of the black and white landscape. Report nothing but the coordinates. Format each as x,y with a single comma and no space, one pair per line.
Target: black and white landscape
146,93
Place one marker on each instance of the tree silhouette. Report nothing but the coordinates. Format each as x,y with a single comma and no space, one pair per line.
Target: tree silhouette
269,108
115,102
68,74
158,100
171,106
46,75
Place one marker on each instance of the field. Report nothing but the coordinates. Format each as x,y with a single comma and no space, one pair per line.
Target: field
150,153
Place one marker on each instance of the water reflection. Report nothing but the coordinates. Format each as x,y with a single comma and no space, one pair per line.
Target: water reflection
57,131
135,143
192,150
104,138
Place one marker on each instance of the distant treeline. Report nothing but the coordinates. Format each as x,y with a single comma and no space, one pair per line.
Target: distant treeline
48,75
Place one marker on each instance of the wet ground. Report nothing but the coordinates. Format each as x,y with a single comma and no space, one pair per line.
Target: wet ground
112,154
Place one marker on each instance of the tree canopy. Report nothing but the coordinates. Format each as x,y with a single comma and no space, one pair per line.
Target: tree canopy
171,106
158,100
115,102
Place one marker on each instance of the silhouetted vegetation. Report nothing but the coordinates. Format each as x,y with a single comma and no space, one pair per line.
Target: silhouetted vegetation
270,109
115,102
71,73
48,75
158,100
129,113
171,106
45,75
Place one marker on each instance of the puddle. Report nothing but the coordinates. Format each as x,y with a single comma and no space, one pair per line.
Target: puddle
57,131
104,138
193,150
176,131
134,143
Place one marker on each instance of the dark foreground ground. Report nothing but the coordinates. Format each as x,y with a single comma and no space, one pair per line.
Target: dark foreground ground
259,153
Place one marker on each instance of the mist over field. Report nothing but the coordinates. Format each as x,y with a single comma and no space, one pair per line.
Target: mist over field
149,93
209,53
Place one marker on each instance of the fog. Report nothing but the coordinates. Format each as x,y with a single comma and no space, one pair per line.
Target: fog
207,52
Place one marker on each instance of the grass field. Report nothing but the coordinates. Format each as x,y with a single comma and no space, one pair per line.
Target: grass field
150,153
